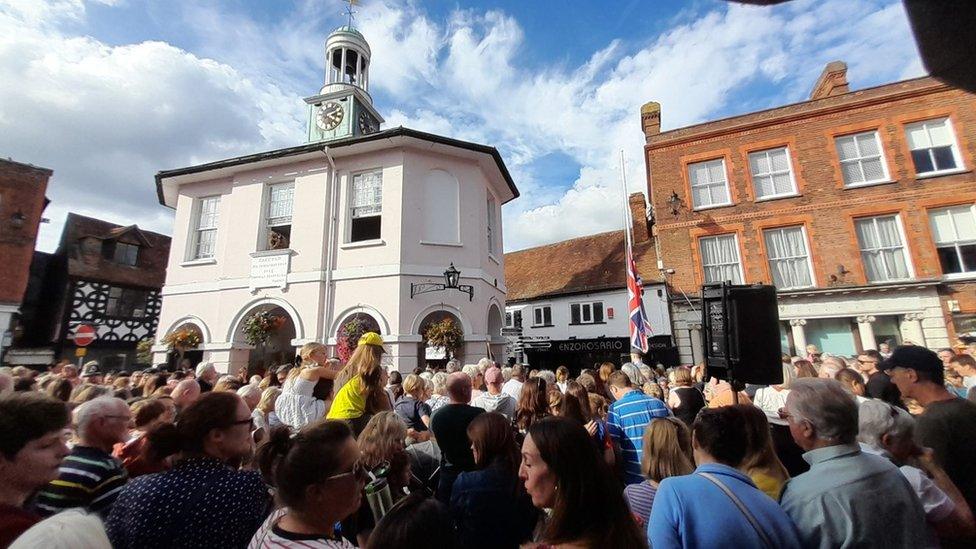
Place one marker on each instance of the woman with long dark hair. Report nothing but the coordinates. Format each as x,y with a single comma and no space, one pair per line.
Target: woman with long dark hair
563,472
318,479
533,404
576,405
489,505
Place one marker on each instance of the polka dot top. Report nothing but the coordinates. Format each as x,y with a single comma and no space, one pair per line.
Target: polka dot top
201,502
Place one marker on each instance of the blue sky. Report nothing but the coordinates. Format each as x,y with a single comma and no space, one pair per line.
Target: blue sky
108,92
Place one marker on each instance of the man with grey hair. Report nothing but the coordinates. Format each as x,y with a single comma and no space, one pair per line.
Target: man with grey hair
453,365
830,365
889,431
847,498
89,476
251,395
206,376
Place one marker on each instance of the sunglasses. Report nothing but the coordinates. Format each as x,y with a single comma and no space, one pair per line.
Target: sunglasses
358,471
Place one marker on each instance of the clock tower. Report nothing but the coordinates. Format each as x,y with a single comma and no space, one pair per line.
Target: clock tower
343,107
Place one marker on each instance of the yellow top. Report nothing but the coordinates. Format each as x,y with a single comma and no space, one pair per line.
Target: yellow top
769,485
349,402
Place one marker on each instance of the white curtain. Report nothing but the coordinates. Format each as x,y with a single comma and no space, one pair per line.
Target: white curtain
720,259
787,251
882,249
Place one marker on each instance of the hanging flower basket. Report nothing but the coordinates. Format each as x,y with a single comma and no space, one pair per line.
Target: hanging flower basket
445,334
349,334
259,327
182,339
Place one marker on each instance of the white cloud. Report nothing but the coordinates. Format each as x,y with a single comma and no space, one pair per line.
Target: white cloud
110,116
106,118
695,69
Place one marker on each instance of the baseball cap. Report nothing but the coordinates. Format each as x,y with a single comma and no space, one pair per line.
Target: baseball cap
371,338
493,375
915,357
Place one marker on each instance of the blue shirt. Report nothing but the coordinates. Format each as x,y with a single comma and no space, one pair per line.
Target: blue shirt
852,499
627,418
200,502
690,511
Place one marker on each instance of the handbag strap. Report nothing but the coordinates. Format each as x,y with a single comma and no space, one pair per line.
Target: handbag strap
742,508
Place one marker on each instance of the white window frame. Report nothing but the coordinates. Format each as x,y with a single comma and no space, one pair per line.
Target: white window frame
351,206
276,221
956,241
586,309
809,256
860,158
709,185
954,147
789,170
197,228
904,244
738,256
539,311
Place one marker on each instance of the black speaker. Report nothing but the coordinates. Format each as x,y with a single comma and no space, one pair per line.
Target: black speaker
740,333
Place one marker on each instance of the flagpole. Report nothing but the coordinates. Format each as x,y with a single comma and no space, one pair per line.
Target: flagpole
628,249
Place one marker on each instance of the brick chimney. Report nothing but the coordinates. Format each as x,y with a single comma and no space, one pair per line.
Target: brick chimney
638,216
832,81
651,119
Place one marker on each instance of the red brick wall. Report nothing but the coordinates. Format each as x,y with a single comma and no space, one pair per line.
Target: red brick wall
22,190
824,206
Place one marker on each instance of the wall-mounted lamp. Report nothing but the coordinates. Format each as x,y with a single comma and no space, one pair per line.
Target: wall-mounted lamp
674,203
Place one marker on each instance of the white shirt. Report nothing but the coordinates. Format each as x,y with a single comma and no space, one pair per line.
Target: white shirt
513,387
502,403
770,400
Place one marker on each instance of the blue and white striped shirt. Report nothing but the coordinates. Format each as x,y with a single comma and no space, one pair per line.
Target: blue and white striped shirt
627,419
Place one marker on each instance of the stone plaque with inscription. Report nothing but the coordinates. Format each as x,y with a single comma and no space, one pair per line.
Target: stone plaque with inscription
270,270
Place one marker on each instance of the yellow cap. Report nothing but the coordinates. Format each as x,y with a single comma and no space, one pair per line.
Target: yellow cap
371,338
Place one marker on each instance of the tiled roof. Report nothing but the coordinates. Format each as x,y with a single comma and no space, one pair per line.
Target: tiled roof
585,264
86,261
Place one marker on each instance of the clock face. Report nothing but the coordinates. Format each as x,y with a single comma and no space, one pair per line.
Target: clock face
366,124
329,116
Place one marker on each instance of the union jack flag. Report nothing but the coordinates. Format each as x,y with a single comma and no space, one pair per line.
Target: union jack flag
640,328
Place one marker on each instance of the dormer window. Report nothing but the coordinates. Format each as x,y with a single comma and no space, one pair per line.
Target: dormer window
122,253
126,254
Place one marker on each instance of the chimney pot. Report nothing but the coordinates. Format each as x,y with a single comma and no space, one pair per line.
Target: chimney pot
651,118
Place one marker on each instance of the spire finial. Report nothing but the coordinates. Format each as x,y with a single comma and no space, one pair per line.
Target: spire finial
350,11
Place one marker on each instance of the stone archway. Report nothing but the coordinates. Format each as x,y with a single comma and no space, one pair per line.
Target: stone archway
350,329
434,356
187,358
278,349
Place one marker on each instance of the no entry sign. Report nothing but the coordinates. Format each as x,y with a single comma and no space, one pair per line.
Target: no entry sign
84,335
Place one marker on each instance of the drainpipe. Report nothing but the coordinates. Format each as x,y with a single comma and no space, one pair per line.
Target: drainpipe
325,298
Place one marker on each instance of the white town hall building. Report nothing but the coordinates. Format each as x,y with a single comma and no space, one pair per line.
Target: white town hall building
344,226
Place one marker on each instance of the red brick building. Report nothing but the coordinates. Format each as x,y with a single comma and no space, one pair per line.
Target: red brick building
22,202
860,206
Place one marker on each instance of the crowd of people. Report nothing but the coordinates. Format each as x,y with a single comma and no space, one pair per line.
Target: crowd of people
877,450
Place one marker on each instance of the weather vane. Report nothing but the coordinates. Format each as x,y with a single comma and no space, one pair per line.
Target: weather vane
349,10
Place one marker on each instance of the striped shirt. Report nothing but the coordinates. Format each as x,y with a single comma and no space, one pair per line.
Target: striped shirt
271,536
89,478
640,498
627,419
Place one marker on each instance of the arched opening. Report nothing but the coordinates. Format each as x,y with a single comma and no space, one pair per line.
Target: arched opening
495,323
350,330
269,329
430,354
184,341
